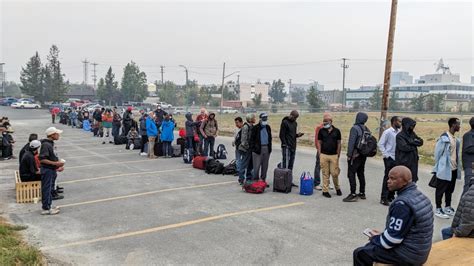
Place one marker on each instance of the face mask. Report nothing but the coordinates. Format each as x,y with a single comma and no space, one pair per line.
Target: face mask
326,126
264,123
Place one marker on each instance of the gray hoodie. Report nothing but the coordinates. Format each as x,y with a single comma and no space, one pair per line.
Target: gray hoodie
190,125
356,133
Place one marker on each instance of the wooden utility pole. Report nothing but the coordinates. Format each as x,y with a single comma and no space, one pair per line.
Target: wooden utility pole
222,89
344,67
162,80
388,66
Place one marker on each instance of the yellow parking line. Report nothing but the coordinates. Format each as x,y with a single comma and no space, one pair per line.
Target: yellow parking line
125,174
96,155
171,226
146,193
99,164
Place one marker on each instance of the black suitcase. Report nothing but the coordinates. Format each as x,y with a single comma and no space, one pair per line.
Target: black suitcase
158,148
282,180
182,143
176,150
120,140
137,144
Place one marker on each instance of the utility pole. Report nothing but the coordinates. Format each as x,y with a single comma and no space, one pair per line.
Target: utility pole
238,85
162,81
289,90
222,89
2,73
388,66
94,77
86,72
186,87
344,67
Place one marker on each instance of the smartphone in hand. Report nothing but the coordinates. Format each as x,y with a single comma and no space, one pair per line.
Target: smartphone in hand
368,232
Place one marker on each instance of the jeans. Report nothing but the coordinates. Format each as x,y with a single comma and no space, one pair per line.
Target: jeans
447,233
115,130
370,253
53,118
317,171
357,166
190,145
288,157
467,179
445,188
48,178
246,165
260,163
389,163
73,122
209,144
167,148
144,143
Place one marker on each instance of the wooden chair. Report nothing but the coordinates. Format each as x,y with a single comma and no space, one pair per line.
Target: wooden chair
27,192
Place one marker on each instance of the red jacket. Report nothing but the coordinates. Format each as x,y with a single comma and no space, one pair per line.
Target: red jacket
316,132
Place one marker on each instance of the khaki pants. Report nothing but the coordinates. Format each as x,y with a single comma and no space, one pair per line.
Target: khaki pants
151,147
330,166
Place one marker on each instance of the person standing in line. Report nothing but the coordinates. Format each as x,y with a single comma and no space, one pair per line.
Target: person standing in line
468,155
261,145
107,120
329,138
447,168
245,149
190,126
387,145
54,112
209,130
127,121
143,134
237,141
406,151
73,117
317,166
200,119
355,160
167,136
117,122
152,133
50,164
288,137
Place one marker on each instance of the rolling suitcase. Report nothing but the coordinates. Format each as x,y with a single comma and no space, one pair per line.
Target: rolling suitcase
282,180
176,150
182,143
199,162
158,148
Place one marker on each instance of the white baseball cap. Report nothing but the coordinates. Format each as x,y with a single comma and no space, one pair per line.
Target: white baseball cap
52,130
35,144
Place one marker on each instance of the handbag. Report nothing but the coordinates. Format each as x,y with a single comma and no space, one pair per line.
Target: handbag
434,181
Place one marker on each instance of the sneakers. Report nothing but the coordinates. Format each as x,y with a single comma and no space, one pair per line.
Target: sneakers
143,154
362,196
384,202
440,214
111,142
294,185
350,198
449,211
132,146
318,188
326,194
50,211
57,197
103,142
339,192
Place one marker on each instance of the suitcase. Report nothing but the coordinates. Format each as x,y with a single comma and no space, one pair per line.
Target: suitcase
282,179
187,156
182,143
137,144
120,140
176,150
199,162
158,148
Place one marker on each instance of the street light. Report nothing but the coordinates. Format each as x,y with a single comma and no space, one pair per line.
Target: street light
186,86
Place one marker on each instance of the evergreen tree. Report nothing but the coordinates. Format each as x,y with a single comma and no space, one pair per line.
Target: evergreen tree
134,86
55,87
375,101
314,99
257,100
394,104
168,93
276,92
418,103
101,91
31,78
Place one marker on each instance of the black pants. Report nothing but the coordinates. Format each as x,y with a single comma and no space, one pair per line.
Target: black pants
445,188
144,141
389,163
53,118
357,166
288,157
369,254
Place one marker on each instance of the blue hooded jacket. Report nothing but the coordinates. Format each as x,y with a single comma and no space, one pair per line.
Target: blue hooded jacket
442,155
151,130
167,127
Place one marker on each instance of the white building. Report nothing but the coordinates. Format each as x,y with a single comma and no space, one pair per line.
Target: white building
248,92
440,78
400,78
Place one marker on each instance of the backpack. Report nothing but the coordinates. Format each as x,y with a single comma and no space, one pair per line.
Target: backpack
214,167
221,152
256,187
187,156
230,169
367,145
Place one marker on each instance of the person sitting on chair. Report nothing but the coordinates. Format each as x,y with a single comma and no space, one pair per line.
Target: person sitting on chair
29,170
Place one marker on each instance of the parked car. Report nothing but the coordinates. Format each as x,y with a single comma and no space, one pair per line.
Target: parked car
25,104
165,105
26,99
51,106
228,110
249,110
178,111
8,101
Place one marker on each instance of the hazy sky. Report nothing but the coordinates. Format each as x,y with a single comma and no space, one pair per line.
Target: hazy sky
266,40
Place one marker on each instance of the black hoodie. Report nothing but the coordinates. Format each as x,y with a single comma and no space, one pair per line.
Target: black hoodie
288,133
356,133
406,151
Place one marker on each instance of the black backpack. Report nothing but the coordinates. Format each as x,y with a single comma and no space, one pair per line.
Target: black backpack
187,156
367,145
230,169
214,167
221,152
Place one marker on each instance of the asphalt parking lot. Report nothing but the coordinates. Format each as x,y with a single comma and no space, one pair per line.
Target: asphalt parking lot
120,208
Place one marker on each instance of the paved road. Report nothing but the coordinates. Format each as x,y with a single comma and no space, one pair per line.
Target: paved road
120,208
